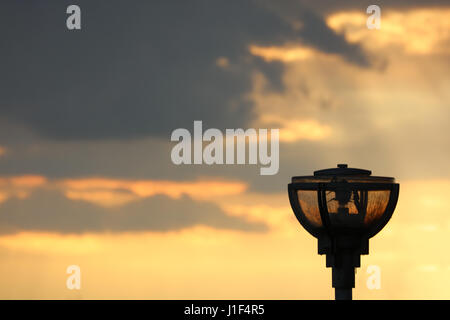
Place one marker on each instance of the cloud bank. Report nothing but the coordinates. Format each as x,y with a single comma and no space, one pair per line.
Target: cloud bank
144,69
50,211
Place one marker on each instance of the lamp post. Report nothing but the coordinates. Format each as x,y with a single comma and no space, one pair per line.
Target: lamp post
343,207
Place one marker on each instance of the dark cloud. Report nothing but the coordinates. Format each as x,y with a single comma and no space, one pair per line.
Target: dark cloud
150,158
314,31
49,211
144,68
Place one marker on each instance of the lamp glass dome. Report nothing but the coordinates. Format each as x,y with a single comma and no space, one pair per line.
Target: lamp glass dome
343,199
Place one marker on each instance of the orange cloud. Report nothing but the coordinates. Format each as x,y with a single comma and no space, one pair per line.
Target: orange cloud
106,198
303,130
28,181
292,130
19,186
417,31
114,192
283,53
110,192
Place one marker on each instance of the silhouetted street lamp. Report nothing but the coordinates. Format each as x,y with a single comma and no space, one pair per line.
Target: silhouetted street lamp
343,207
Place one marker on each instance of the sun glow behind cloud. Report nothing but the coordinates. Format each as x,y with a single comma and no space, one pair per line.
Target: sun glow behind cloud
417,31
325,99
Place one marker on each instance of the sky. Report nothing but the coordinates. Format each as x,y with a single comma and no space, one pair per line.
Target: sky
86,117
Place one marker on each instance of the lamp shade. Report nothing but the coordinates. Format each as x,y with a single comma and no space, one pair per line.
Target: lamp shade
343,200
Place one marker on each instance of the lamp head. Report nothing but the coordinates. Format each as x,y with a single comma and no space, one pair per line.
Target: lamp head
343,200
343,207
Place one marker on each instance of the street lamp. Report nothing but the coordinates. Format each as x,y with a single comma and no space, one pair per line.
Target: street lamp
343,207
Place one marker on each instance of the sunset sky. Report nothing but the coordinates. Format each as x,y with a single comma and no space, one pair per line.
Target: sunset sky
86,116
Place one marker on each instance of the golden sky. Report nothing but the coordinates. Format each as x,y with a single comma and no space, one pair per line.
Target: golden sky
202,262
401,102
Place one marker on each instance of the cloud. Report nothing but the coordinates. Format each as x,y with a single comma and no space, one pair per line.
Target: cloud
27,181
393,113
19,186
147,188
50,211
270,54
145,69
2,151
314,31
329,6
419,31
111,192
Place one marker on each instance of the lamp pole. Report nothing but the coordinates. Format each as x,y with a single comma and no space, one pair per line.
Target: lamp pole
343,257
343,294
